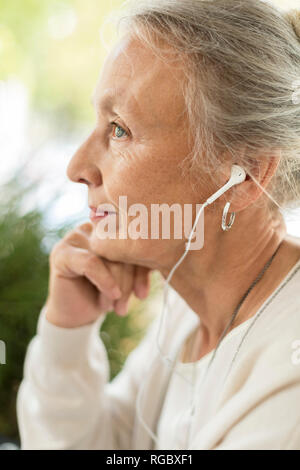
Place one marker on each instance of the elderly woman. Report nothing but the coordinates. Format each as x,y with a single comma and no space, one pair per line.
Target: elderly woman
191,89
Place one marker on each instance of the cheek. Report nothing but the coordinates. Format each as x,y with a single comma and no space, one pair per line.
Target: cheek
143,178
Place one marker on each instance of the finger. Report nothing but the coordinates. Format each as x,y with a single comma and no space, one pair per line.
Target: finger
121,305
86,228
74,261
142,282
117,270
77,238
105,303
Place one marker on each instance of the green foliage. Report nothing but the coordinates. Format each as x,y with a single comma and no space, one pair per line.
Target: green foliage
23,287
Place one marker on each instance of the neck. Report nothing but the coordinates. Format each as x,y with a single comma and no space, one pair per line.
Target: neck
214,279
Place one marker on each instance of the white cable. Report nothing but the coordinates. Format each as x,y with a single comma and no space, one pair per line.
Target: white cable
268,194
167,360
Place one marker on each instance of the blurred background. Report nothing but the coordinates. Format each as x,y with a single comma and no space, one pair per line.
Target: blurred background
51,52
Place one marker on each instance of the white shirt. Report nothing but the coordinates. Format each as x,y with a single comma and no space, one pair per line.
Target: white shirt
248,400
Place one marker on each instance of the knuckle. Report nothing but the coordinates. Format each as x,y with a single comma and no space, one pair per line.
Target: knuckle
69,235
73,238
86,227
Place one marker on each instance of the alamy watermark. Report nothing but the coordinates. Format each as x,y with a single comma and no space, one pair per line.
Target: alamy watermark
295,356
296,93
138,222
2,352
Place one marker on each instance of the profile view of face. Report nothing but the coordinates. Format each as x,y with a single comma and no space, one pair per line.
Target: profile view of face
139,141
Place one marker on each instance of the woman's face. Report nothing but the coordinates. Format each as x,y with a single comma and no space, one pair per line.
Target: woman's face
140,155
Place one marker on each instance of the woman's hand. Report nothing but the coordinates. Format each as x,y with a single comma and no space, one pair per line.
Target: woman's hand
82,285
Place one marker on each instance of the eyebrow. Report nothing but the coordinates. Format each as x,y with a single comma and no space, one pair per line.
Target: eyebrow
105,103
109,100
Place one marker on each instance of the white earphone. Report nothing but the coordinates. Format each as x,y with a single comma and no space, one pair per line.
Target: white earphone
238,175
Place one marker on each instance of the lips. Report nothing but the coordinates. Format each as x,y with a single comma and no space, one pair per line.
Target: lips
100,213
94,217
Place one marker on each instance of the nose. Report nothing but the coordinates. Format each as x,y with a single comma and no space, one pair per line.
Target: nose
82,167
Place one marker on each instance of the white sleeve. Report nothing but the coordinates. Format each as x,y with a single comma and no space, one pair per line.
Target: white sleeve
65,400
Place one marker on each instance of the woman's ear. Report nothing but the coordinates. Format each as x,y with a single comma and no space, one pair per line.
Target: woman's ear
262,170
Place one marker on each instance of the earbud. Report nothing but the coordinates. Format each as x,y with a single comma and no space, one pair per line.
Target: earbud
238,175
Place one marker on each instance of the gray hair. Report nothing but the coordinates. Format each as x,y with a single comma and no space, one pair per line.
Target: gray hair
242,60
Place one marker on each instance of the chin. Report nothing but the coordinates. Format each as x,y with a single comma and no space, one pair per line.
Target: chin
123,251
139,252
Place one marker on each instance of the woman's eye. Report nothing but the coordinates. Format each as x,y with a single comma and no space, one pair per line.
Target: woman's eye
120,132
